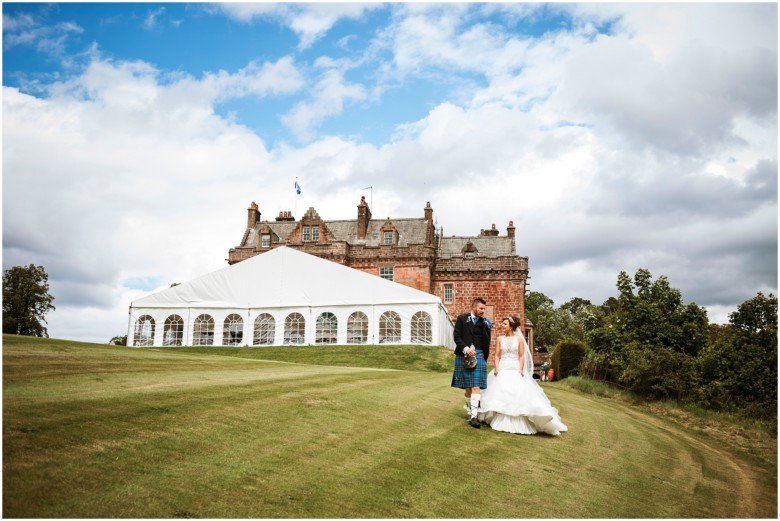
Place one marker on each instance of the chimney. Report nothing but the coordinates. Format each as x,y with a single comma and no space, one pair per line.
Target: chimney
363,218
428,212
510,230
492,232
285,216
253,215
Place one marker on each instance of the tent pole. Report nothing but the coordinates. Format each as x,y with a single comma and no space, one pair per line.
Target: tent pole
129,325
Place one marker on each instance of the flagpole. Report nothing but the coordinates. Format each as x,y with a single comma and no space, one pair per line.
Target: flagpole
371,197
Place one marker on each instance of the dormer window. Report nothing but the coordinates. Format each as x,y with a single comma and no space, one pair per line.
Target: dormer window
265,240
388,237
469,251
310,233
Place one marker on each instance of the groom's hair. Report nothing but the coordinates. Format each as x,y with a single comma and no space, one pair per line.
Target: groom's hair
478,300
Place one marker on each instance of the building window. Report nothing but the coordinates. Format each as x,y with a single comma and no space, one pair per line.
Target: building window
143,334
422,332
315,233
469,255
388,237
357,328
306,233
233,331
386,272
326,329
173,331
294,329
448,294
265,240
265,329
389,328
203,331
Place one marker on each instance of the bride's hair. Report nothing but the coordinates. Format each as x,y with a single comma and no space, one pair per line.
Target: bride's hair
514,322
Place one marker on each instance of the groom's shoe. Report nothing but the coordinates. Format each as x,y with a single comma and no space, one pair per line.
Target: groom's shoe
474,422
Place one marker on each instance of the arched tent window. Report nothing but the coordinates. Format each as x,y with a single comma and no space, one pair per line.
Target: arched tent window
265,328
294,329
203,331
357,328
233,330
143,332
173,331
326,330
389,328
421,328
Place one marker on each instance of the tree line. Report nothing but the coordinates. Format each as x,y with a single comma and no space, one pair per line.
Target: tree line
649,342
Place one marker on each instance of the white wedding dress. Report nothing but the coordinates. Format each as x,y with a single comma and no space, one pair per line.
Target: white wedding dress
514,403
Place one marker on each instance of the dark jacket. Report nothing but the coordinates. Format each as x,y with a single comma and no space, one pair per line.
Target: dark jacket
467,334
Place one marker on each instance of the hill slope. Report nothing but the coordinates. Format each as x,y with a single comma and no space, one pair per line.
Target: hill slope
96,431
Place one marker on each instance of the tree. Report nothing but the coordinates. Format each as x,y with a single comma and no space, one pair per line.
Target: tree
26,300
576,305
536,301
646,338
652,314
551,325
738,369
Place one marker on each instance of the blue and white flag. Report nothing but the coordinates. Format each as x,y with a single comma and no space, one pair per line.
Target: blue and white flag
297,187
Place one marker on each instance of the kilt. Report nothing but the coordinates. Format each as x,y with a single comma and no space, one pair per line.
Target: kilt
464,378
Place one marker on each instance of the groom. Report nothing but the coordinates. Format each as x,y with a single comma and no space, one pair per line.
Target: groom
472,337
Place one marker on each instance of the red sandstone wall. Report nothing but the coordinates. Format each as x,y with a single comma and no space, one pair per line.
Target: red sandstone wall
505,297
415,277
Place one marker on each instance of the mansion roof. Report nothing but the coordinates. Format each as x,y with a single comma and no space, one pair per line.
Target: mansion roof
408,231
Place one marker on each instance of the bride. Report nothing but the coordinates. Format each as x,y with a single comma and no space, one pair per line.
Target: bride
513,401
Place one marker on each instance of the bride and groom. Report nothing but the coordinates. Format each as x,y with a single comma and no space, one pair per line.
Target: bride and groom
508,399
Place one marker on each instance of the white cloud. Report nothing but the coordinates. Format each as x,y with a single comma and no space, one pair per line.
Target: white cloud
664,29
309,22
27,30
329,95
150,22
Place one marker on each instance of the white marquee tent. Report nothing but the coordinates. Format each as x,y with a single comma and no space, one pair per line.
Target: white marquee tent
287,297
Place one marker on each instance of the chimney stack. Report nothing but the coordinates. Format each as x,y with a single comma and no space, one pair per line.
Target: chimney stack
253,215
428,212
492,232
363,218
510,230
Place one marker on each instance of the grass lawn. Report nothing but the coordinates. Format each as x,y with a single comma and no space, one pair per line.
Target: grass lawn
98,431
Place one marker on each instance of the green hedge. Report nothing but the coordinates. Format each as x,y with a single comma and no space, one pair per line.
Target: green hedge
566,358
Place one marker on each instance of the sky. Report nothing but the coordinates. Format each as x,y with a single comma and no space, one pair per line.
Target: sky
614,136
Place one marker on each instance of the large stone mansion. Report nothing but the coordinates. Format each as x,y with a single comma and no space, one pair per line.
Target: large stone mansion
408,250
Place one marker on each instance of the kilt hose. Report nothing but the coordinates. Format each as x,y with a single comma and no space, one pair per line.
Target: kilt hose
464,378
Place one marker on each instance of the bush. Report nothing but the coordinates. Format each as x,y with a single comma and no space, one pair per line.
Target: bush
659,373
566,358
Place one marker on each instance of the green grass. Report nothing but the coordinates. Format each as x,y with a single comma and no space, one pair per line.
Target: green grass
98,431
404,357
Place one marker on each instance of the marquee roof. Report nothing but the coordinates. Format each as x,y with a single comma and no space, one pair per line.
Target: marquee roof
285,277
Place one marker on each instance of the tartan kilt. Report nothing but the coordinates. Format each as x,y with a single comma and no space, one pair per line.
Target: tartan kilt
464,378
